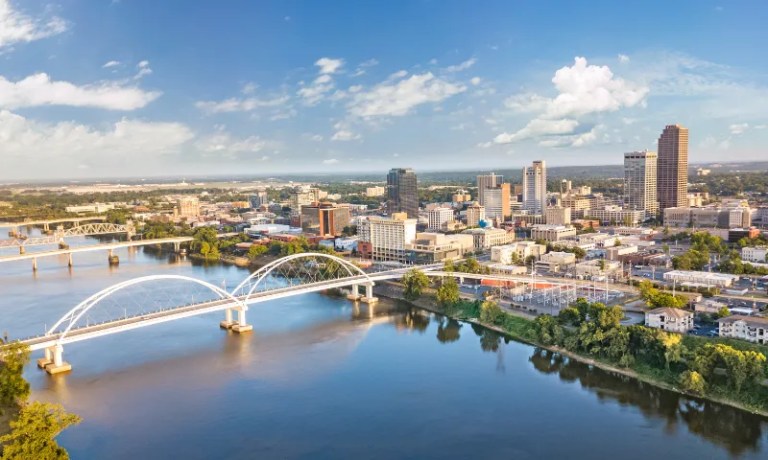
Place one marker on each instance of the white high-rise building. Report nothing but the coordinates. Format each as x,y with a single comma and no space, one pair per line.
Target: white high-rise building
439,217
535,187
487,181
640,186
389,237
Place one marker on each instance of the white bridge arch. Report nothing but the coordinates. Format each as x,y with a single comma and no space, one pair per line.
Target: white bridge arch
73,316
248,286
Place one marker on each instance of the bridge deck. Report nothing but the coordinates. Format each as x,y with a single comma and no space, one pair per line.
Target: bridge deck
95,247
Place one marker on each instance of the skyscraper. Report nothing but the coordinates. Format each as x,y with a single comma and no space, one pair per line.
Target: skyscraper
535,187
487,181
672,176
640,181
497,202
402,192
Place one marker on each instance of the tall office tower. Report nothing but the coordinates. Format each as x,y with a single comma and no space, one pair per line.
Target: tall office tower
475,213
487,181
672,176
402,192
497,205
640,181
535,187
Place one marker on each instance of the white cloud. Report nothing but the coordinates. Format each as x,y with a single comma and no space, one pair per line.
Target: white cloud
240,105
738,128
249,88
316,91
623,58
316,138
397,98
361,69
328,65
39,90
344,135
143,70
16,27
330,161
33,140
475,81
223,143
110,64
536,128
527,102
462,66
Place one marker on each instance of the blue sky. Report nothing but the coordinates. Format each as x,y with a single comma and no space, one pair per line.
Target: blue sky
146,88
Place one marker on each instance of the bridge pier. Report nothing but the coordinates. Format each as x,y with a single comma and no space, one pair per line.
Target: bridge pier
228,322
69,261
34,264
369,298
112,258
56,365
22,250
355,294
241,325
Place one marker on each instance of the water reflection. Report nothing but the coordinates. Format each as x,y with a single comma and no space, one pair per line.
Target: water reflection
737,431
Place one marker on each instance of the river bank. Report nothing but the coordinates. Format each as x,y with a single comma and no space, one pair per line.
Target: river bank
394,291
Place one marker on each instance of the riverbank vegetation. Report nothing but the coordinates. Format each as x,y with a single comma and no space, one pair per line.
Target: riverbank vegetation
28,430
726,370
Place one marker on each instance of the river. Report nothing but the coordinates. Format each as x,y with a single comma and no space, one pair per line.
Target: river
320,378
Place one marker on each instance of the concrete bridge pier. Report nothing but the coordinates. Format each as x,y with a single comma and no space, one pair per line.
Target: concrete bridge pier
369,298
34,264
112,258
22,250
228,322
355,294
54,362
69,260
241,325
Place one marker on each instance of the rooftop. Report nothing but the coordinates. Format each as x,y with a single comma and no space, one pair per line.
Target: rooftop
667,311
751,320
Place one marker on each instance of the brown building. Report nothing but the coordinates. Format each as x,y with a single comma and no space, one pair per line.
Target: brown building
324,219
672,171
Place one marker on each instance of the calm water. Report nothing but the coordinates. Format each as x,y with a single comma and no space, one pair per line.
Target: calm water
321,379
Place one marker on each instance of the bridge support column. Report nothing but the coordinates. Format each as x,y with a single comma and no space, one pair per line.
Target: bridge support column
48,359
112,258
22,250
369,298
58,365
242,325
355,294
46,227
69,261
176,247
34,264
228,322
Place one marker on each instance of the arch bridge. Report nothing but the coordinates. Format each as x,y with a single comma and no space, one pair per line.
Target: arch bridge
156,299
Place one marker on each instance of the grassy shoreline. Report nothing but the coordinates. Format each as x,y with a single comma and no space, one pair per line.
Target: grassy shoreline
519,332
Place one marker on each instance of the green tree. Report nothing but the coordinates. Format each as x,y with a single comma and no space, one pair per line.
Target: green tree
448,293
547,330
723,312
13,388
570,316
33,433
415,281
693,382
491,312
256,250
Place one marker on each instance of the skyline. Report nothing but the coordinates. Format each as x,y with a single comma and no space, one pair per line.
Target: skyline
132,89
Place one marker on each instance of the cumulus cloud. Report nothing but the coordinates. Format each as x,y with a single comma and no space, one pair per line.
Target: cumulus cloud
143,70
536,128
39,90
398,96
462,66
16,27
240,104
26,138
582,89
738,128
328,65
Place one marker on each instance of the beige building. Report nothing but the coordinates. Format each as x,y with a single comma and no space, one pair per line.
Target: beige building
439,218
672,180
709,217
552,232
640,181
557,216
556,261
700,279
475,213
189,207
507,254
612,215
597,267
436,247
535,187
372,192
670,319
484,238
486,181
389,237
749,328
754,254
461,197
496,202
577,204
324,219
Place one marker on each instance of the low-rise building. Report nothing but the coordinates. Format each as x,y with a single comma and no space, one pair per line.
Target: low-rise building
709,306
485,238
556,261
669,319
552,233
732,216
89,208
372,192
429,248
749,328
612,215
324,219
510,253
700,279
615,252
597,267
755,254
557,216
